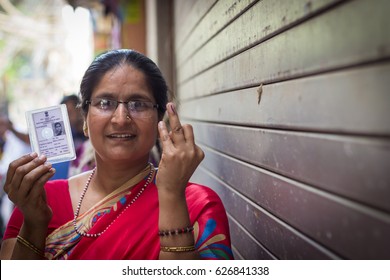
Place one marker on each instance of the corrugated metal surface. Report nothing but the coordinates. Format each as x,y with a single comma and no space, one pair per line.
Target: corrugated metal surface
290,101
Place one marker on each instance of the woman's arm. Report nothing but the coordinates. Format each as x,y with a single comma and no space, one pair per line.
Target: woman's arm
7,247
180,157
24,185
174,216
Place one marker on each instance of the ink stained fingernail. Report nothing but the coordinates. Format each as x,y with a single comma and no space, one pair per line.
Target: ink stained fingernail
173,109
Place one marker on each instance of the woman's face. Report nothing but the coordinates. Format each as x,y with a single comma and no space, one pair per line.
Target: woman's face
58,128
116,137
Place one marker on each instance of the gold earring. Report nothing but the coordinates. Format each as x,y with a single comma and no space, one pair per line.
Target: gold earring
85,129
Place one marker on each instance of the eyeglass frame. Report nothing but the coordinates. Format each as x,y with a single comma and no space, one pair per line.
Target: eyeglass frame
117,102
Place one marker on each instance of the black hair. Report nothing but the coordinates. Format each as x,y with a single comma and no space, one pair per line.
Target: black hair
114,58
73,98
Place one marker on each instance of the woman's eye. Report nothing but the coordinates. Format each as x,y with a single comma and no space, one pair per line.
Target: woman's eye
139,105
104,103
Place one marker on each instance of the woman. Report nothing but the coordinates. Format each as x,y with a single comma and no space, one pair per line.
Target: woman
124,208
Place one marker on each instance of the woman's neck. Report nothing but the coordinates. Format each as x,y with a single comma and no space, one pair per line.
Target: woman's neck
109,177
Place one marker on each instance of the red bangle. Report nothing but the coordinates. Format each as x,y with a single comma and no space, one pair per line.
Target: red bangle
176,231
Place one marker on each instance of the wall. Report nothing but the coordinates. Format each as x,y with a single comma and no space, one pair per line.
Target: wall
159,43
133,33
290,102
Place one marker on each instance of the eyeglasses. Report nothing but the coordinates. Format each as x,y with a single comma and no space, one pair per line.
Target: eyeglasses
137,109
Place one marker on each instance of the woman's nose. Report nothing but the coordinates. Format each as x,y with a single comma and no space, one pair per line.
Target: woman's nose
121,113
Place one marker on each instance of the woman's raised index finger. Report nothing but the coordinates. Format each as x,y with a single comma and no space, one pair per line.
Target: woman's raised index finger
174,121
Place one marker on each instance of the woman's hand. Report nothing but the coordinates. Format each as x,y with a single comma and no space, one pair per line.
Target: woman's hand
24,183
180,155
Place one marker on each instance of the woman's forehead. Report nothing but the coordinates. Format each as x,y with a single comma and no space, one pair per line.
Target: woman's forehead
124,73
122,81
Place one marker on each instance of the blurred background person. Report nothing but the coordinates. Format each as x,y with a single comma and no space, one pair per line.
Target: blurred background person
84,152
75,119
64,169
13,144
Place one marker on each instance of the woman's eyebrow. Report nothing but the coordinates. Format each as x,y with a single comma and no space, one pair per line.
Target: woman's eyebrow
105,95
132,96
138,96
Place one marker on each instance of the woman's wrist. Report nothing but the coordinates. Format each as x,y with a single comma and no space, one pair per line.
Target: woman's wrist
30,243
38,231
175,228
32,225
170,194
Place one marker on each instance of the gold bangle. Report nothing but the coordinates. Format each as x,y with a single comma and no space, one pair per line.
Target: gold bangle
30,246
178,249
